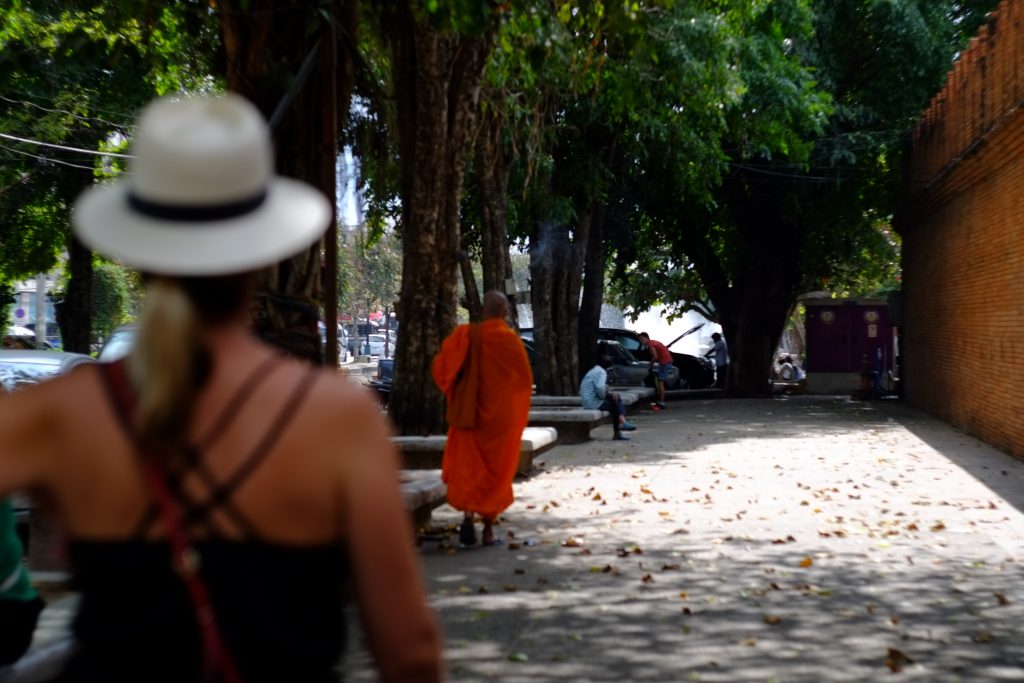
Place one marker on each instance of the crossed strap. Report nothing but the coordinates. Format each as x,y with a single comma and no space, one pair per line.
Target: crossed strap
196,512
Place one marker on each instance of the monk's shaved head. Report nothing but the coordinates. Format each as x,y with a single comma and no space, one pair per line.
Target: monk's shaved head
495,305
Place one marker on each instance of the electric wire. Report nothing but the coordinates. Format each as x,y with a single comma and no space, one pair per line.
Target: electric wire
78,117
48,159
66,148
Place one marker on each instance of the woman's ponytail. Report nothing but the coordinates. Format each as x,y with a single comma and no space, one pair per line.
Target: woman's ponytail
168,366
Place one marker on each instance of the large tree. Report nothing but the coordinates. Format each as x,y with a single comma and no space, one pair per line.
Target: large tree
810,165
435,57
295,60
72,76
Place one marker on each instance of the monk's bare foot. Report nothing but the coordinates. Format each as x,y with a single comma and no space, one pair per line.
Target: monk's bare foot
488,535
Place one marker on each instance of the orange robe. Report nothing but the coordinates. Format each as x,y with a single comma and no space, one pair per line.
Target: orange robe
480,463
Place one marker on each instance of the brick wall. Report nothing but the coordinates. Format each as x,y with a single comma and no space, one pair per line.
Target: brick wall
963,241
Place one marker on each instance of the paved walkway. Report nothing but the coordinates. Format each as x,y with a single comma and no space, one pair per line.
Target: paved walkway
797,539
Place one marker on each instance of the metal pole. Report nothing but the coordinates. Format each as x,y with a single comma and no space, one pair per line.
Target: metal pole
330,141
40,310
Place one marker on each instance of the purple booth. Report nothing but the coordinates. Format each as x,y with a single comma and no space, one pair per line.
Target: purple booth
846,337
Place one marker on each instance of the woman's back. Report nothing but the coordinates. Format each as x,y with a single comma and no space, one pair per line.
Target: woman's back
281,453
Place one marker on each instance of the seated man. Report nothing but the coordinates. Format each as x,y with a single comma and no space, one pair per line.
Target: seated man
594,395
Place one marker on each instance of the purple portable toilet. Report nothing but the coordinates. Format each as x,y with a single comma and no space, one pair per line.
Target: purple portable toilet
844,338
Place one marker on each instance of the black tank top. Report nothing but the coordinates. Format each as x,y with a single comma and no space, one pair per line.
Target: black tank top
280,608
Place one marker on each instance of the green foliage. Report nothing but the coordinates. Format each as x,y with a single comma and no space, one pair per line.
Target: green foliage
74,74
116,292
369,270
823,92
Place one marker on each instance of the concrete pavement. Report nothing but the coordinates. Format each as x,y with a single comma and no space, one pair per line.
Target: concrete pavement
799,539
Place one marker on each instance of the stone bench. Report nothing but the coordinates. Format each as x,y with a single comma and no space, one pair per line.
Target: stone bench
573,424
630,398
422,491
427,452
640,392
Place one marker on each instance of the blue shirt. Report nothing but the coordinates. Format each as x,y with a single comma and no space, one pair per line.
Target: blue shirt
592,388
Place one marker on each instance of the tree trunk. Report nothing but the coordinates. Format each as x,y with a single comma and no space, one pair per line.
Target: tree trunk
436,81
472,301
556,270
74,313
266,43
492,173
593,293
752,308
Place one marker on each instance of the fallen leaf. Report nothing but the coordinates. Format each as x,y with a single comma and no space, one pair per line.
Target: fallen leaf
983,637
896,660
682,595
647,578
669,567
1003,600
806,562
513,546
573,542
772,619
510,588
939,526
749,642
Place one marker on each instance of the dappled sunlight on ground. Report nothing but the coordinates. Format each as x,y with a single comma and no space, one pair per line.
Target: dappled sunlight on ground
801,539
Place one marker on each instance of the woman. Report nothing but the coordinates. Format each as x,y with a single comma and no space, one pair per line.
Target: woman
216,495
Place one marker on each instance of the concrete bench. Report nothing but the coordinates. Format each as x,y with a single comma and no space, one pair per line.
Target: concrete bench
422,491
641,392
573,424
630,398
427,452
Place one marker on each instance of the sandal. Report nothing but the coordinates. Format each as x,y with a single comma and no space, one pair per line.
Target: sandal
467,534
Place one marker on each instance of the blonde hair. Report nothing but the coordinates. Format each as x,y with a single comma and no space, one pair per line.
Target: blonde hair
168,365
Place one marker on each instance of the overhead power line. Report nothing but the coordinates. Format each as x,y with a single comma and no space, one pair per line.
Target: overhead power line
65,148
77,117
49,159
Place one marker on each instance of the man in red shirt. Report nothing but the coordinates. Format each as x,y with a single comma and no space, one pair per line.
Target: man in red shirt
662,360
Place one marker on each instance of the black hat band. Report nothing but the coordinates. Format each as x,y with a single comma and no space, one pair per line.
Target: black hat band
195,214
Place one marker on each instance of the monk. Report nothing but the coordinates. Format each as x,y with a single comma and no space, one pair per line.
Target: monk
483,371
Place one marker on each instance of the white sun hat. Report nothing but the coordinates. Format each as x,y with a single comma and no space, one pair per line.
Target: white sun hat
200,196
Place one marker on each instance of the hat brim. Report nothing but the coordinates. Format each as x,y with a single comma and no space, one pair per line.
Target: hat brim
293,216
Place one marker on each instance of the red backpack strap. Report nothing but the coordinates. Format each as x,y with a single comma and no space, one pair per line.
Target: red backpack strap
185,559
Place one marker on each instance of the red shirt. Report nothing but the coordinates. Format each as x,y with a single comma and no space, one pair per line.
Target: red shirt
660,352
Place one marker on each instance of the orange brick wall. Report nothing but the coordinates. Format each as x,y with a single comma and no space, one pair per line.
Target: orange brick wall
963,242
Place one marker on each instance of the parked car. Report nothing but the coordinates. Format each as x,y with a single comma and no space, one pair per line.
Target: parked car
627,371
23,341
695,372
381,383
21,367
343,353
379,346
118,343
